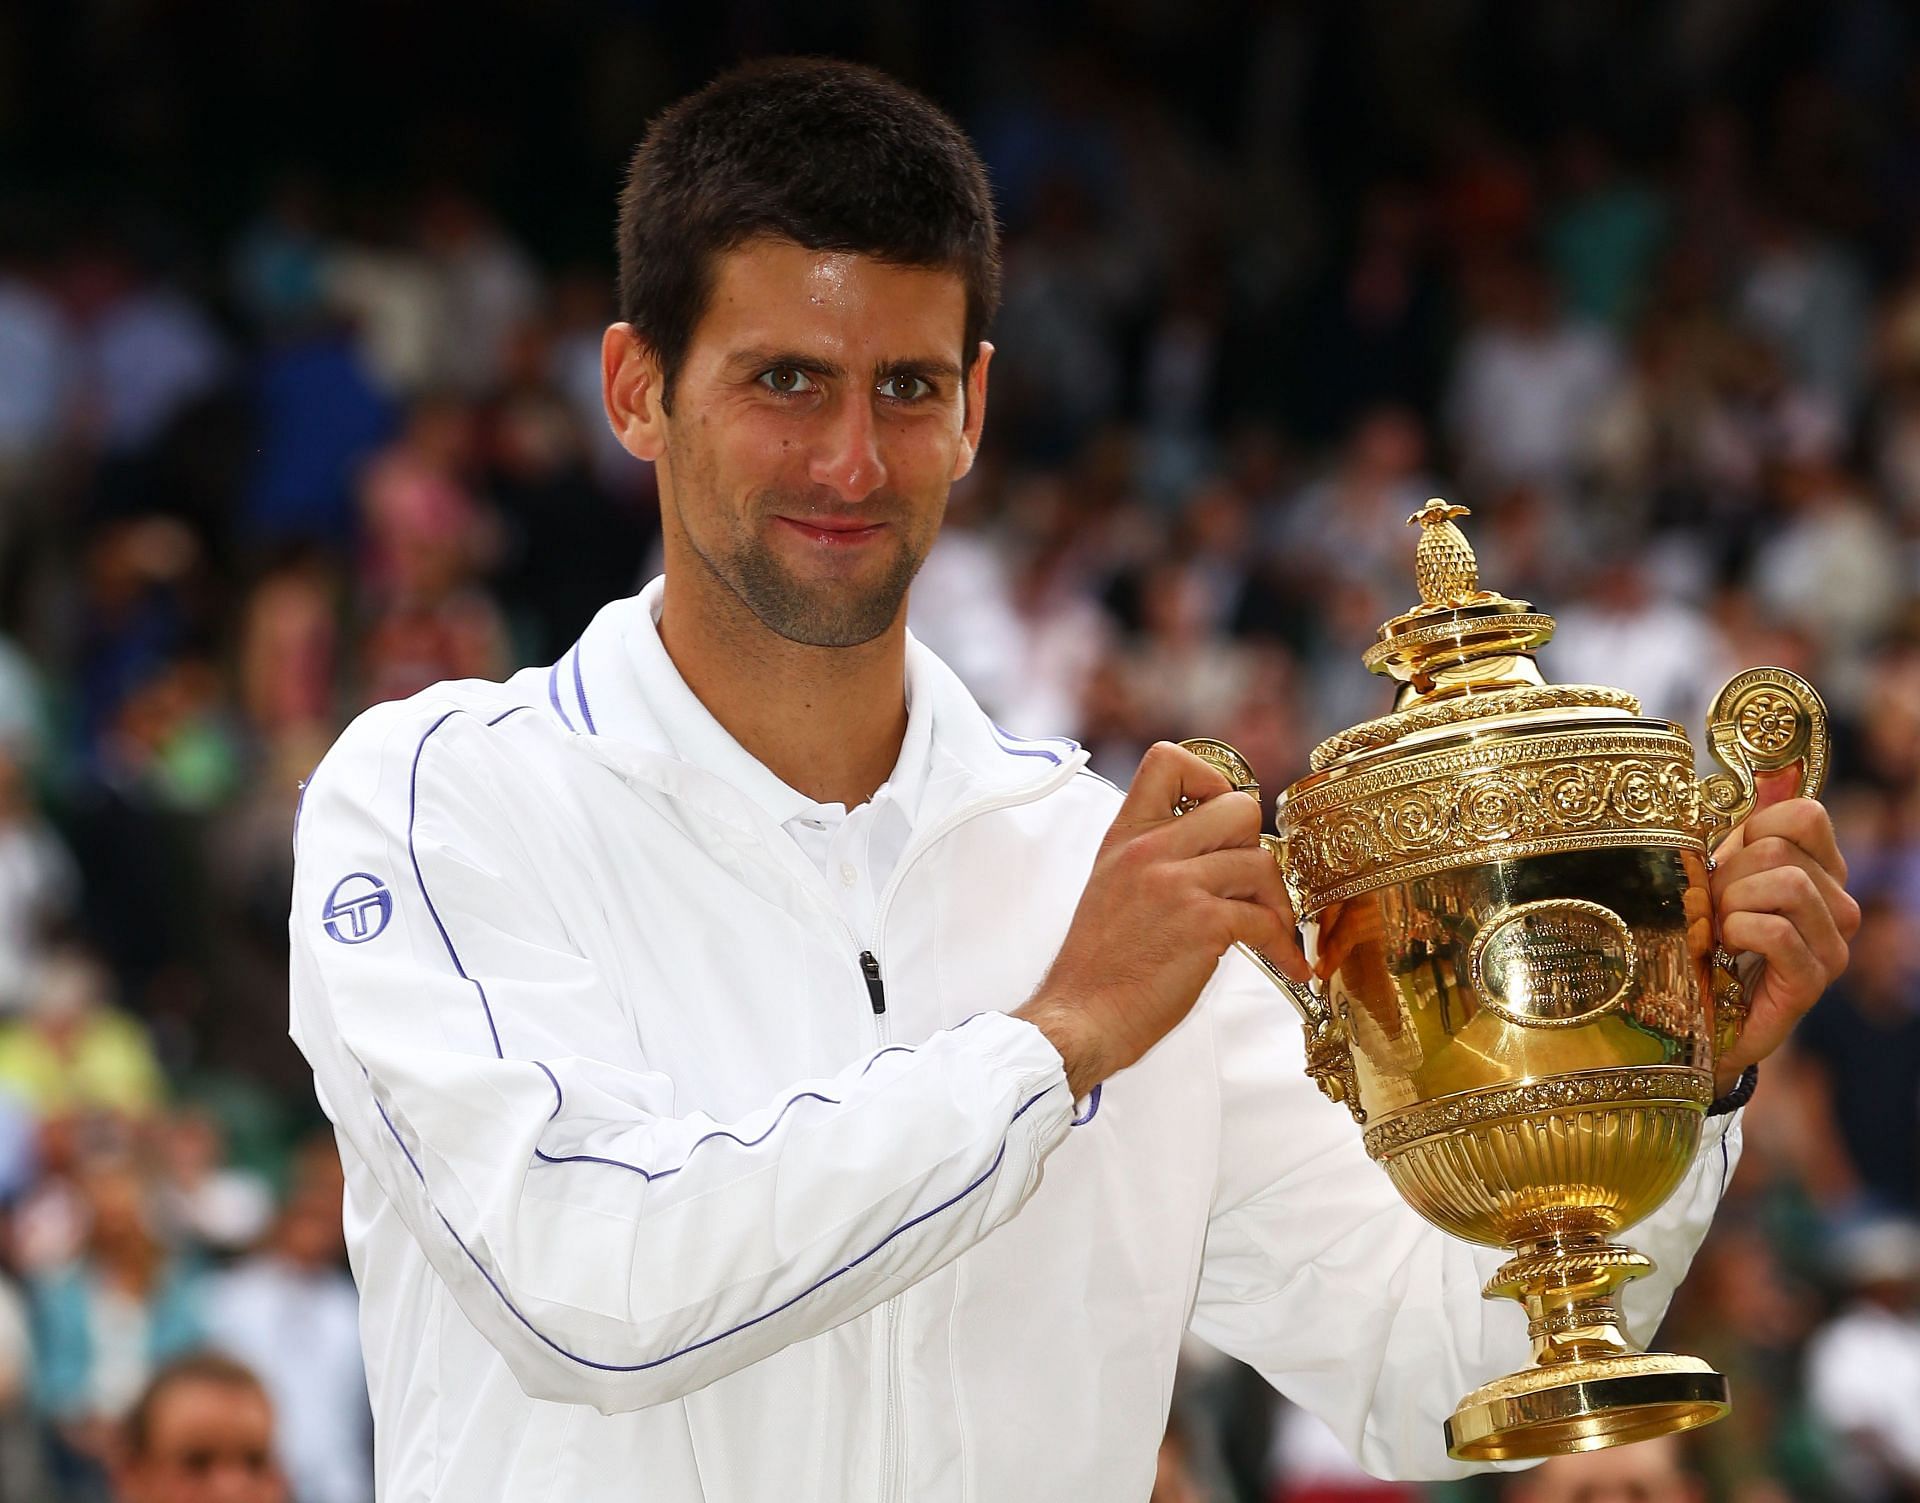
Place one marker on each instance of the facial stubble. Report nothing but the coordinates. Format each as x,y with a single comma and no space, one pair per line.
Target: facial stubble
812,613
820,613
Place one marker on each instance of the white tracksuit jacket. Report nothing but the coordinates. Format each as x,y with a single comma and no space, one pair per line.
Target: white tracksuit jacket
646,1202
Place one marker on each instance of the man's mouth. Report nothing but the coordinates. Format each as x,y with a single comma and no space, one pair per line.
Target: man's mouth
834,532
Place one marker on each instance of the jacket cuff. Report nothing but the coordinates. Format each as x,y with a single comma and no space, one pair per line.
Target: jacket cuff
1018,1046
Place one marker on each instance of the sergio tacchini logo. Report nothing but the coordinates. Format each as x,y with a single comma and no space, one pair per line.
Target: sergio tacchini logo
357,909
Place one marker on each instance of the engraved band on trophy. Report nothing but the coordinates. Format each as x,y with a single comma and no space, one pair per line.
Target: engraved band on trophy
1507,881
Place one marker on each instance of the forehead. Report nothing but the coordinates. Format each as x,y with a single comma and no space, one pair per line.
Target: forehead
194,1414
840,305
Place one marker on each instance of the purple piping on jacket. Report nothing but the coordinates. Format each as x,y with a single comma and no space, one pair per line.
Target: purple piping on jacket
413,808
580,689
553,693
1093,1110
638,1367
413,792
1030,746
560,1101
650,1175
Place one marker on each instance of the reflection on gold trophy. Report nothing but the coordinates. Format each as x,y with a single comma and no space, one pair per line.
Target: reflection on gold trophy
1506,881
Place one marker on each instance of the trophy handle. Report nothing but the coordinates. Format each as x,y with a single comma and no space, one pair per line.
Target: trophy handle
1329,1059
1761,721
1329,1055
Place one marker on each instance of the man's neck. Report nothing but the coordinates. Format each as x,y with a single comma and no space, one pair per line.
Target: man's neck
826,721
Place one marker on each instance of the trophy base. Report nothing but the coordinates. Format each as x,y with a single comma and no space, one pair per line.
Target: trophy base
1585,1406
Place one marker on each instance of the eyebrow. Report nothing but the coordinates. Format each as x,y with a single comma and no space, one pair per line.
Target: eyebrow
745,362
929,369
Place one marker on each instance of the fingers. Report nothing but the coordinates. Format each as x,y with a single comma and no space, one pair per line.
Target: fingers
1259,927
1235,883
1794,974
1800,822
1773,871
1778,899
1779,810
1229,822
1167,774
1805,903
1251,874
1180,806
1787,863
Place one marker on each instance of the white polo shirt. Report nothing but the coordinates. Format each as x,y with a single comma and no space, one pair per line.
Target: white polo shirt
856,849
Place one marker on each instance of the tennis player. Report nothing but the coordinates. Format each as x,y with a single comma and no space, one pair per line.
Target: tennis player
761,1077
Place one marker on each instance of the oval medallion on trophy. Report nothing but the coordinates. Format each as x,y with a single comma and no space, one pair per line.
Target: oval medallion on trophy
1553,963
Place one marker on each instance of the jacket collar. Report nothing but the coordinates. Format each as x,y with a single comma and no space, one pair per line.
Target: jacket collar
617,689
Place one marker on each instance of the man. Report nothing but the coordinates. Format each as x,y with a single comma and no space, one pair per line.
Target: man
700,1014
1863,1365
290,1313
1654,1471
201,1432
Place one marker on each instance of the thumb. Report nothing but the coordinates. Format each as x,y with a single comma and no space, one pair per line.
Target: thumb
1167,774
1771,788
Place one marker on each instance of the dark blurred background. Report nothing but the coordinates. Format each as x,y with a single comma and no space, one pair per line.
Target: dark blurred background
300,308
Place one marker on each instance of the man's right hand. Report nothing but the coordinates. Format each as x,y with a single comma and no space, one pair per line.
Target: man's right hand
1168,894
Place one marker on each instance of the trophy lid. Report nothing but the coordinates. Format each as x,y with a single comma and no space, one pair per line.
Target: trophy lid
1463,653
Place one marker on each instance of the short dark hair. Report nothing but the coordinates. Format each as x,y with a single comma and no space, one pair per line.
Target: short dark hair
136,1431
829,154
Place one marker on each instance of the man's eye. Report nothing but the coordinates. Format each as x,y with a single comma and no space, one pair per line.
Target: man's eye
786,381
906,387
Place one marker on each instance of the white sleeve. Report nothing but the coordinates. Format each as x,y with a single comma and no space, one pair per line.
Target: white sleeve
1318,1274
616,1252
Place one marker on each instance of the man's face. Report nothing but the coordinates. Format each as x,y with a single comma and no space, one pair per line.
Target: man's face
817,422
208,1443
1652,1471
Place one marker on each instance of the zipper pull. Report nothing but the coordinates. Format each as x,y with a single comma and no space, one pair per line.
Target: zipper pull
876,989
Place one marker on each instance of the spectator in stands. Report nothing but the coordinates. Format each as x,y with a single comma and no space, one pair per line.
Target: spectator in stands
201,1432
104,1323
291,1313
203,1200
21,1473
1173,1479
39,883
74,1052
1528,385
1653,1471
1863,1368
1863,1043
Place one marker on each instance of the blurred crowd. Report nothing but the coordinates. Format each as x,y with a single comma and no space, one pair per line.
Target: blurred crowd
1642,290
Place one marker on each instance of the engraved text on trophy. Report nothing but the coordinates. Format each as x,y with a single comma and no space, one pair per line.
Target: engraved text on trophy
1553,963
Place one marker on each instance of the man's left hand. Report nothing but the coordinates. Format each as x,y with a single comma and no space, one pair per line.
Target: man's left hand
1779,891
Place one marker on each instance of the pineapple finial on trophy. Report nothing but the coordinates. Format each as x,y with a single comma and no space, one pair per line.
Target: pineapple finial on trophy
1459,638
1444,566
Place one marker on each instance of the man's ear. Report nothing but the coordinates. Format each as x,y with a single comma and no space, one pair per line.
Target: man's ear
630,390
975,415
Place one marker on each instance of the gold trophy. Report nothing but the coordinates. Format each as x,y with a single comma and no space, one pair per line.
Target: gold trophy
1507,881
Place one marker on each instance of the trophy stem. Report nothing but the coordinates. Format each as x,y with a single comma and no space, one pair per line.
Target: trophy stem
1570,1288
1590,1386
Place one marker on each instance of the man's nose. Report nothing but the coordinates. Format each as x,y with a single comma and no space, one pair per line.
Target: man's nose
846,456
237,1482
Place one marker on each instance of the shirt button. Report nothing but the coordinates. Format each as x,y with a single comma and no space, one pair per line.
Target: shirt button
848,876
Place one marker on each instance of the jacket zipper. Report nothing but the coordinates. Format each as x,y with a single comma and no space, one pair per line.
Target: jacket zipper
890,1429
893,1433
